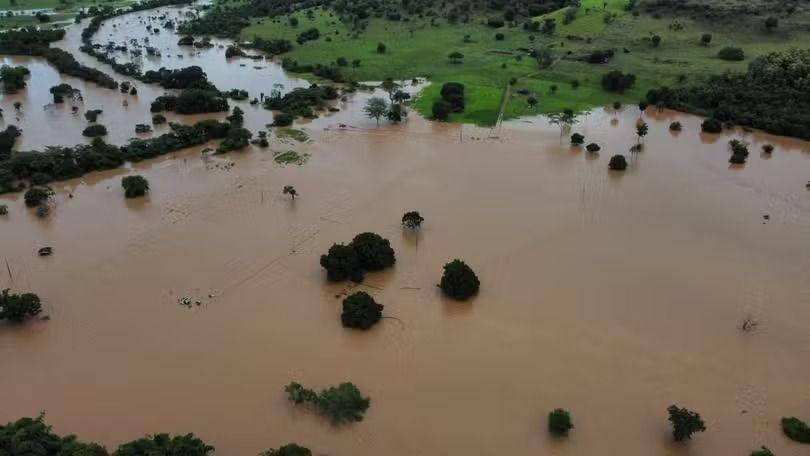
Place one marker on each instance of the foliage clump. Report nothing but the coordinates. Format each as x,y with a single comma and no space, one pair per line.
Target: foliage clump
165,445
38,195
617,163
360,311
135,186
16,308
94,131
412,220
559,422
684,423
796,430
290,449
459,281
366,252
342,404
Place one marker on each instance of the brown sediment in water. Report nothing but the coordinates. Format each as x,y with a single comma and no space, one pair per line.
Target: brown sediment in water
609,294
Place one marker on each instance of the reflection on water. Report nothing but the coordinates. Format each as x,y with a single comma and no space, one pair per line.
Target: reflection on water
610,294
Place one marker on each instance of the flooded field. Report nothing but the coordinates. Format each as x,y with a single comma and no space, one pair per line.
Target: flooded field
610,294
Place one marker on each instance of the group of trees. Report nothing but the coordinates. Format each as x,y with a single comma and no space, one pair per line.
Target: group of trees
16,308
300,101
342,404
773,95
452,100
366,252
59,163
191,101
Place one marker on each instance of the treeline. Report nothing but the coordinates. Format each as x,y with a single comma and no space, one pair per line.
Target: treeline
60,163
773,95
35,42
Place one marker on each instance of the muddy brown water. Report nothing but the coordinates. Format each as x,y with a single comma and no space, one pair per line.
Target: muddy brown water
610,294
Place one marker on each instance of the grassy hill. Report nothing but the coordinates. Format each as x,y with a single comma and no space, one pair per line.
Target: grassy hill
420,47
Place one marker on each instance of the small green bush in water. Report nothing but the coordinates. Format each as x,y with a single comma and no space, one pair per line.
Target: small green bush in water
796,429
360,311
459,281
135,186
684,423
290,449
341,404
559,422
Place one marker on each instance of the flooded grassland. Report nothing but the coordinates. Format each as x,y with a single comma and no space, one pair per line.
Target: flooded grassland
610,294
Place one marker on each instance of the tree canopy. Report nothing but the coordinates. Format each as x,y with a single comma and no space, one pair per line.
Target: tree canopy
459,281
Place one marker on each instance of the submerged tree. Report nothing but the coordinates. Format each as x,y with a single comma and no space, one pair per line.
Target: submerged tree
165,445
134,186
559,422
341,262
290,449
563,119
641,131
412,220
37,196
360,311
376,108
342,404
796,430
577,139
16,308
459,281
617,163
684,423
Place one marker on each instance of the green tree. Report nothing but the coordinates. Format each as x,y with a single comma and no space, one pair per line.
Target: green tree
771,23
290,190
563,119
764,451
290,449
455,57
459,281
16,308
559,422
342,404
165,445
684,423
617,163
373,251
375,108
134,186
705,39
796,429
36,196
641,131
360,311
412,220
341,262
577,139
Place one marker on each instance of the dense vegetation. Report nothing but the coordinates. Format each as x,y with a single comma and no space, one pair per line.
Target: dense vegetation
60,163
134,186
36,42
13,78
360,311
366,252
774,95
191,101
459,281
16,308
342,404
299,102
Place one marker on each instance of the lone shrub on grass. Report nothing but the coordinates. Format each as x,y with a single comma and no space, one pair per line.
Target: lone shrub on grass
135,186
16,308
459,281
559,422
360,311
341,404
796,430
684,423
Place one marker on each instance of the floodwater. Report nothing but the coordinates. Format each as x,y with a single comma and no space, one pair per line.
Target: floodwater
612,295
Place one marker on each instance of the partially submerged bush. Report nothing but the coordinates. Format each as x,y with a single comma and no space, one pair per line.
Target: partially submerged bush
796,430
290,449
577,139
373,251
16,308
593,147
412,220
94,131
559,422
165,445
135,186
711,125
617,163
341,263
341,404
36,196
360,311
675,126
684,423
459,281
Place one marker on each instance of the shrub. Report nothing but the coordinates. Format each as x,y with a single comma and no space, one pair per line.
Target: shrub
593,147
577,139
796,430
559,422
92,114
616,81
134,186
36,196
373,251
341,262
453,94
158,119
165,445
499,37
459,281
617,163
3,209
94,131
441,110
684,423
711,125
381,48
767,148
16,308
360,311
341,404
282,119
290,449
412,220
675,126
731,53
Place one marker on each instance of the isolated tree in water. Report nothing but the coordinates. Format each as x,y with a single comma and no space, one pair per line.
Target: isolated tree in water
135,186
563,119
577,139
641,131
360,311
559,422
459,281
412,220
290,190
16,308
375,108
684,423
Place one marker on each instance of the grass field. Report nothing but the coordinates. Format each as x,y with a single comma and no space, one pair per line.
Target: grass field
416,48
64,11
